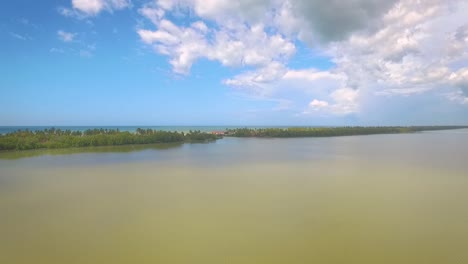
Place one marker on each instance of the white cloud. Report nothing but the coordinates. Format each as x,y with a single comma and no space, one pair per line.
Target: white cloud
317,104
345,101
150,37
221,10
311,75
184,45
458,97
66,36
236,46
460,78
153,14
258,81
380,48
93,7
414,50
90,7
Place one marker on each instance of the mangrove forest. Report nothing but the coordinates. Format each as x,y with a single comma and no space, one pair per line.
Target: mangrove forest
328,131
56,138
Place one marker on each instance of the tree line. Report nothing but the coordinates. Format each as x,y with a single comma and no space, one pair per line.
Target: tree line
329,131
56,138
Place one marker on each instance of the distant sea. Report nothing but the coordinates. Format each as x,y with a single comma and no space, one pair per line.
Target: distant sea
9,129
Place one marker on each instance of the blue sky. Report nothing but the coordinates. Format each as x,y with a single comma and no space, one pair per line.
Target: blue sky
256,62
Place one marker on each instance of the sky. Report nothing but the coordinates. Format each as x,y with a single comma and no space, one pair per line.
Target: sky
222,62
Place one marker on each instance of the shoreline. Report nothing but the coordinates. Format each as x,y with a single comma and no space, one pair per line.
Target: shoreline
75,141
302,132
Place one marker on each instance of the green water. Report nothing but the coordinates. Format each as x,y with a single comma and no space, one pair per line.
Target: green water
365,199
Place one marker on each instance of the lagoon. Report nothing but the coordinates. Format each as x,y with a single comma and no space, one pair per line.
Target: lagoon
399,198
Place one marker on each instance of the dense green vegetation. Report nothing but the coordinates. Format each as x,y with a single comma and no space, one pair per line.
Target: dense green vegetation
328,131
56,138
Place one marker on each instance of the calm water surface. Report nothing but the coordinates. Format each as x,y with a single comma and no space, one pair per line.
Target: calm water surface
363,199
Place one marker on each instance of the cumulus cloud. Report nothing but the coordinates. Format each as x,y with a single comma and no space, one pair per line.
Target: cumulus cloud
334,20
90,7
345,101
460,79
93,7
251,11
314,19
416,49
234,42
242,45
317,104
184,45
259,80
311,75
380,48
66,36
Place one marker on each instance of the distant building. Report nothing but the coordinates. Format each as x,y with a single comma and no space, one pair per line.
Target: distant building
218,133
